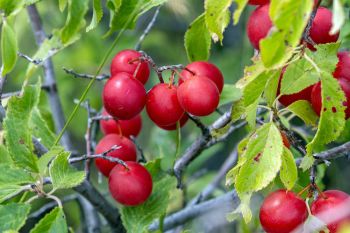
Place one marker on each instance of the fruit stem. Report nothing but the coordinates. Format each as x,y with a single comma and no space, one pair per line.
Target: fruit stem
320,192
189,71
303,190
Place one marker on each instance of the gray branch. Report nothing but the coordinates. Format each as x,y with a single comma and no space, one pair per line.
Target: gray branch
49,78
225,203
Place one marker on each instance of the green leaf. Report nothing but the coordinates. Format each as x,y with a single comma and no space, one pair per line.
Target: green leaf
307,162
17,132
196,49
97,15
303,109
10,6
7,191
254,89
4,155
289,171
243,209
251,114
238,110
62,174
13,216
239,9
325,57
43,162
53,222
126,13
75,20
40,129
62,4
332,120
262,160
339,17
289,19
8,48
271,87
230,93
14,175
217,17
298,76
138,218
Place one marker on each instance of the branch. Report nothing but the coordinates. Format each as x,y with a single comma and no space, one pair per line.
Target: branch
210,188
49,76
148,29
193,151
225,203
86,76
306,34
333,153
91,218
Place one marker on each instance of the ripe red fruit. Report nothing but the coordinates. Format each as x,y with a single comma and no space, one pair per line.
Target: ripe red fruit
282,211
123,96
343,66
321,27
163,106
259,25
286,100
285,140
198,96
130,186
183,121
124,127
336,202
126,61
316,98
203,68
258,2
126,152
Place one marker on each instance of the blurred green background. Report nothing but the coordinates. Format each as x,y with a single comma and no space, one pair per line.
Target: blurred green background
165,45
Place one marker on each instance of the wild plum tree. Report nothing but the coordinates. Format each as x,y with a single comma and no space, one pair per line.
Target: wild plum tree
291,108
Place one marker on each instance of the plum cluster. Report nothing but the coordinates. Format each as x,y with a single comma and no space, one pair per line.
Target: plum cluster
167,104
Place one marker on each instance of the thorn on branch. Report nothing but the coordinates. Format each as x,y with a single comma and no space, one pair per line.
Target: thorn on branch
31,60
86,76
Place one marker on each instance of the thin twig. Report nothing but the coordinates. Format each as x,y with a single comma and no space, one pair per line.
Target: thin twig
31,60
306,34
199,124
148,29
86,76
141,155
225,203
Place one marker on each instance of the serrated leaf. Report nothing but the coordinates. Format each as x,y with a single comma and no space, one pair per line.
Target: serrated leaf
298,76
43,162
307,162
262,160
230,93
251,73
8,48
53,222
289,171
138,218
243,209
289,19
62,174
254,89
7,191
270,92
14,175
237,110
75,20
251,112
332,120
198,50
40,129
10,6
17,132
217,17
325,57
13,216
303,109
97,15
239,9
5,157
338,18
